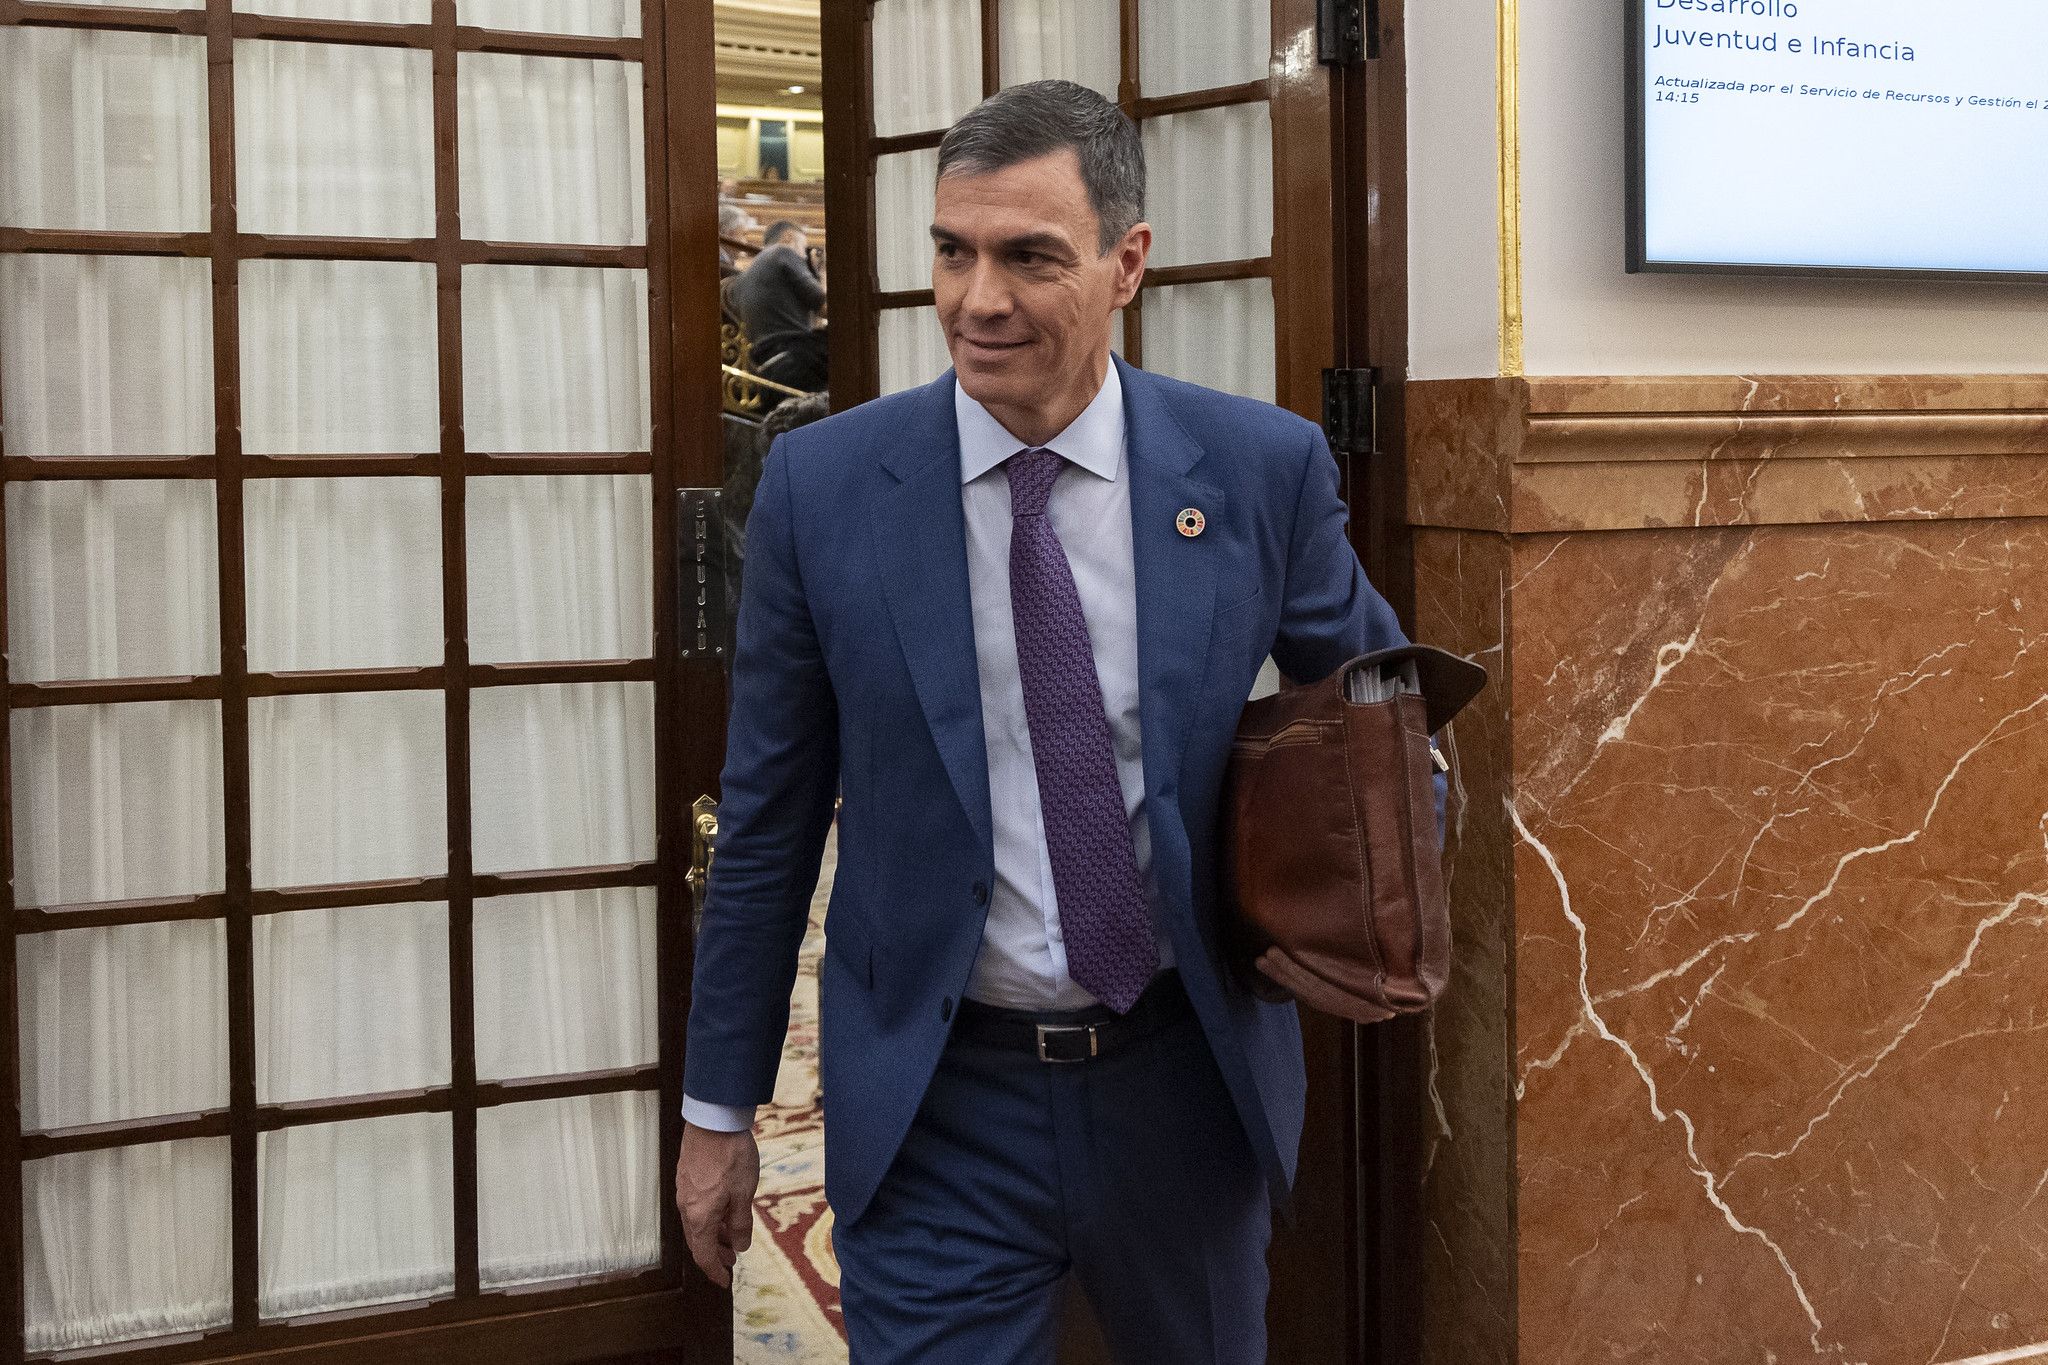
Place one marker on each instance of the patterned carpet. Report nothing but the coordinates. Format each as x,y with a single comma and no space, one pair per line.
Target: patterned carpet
786,1290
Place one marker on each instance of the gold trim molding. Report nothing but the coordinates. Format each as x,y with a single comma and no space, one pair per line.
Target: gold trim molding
1508,81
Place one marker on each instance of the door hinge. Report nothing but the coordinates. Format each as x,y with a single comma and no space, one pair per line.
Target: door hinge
1347,31
1351,410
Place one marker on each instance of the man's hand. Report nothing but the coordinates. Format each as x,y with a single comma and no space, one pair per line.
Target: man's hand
1263,985
716,1175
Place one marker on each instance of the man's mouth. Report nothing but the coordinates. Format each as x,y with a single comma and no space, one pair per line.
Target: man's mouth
993,347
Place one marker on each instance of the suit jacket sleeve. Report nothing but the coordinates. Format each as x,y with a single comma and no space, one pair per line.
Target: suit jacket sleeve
781,776
1330,612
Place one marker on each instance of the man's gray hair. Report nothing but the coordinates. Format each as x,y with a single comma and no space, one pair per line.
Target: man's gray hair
1037,119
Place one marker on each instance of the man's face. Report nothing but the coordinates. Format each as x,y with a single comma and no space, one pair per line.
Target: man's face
797,241
1024,291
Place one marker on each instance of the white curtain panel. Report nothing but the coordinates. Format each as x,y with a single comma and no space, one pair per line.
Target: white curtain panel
355,1213
565,982
905,183
351,1001
155,992
338,358
131,104
560,567
112,579
334,140
112,356
130,1242
552,149
1187,157
568,1187
117,802
158,4
1074,40
106,355
342,573
348,787
562,775
554,359
927,63
591,18
1201,44
360,11
1218,335
913,348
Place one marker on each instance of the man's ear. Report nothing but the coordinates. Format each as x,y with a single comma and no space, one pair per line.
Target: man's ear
1131,254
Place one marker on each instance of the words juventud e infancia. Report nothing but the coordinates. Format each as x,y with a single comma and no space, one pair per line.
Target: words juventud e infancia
1864,47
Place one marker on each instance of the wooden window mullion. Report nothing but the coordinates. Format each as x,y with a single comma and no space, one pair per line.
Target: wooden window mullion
13,1282
244,1225
448,259
270,1118
1129,92
991,47
1194,101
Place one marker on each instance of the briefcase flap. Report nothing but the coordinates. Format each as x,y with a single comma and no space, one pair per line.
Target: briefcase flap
1449,683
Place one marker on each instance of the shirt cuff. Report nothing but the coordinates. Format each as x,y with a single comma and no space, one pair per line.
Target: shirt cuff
718,1118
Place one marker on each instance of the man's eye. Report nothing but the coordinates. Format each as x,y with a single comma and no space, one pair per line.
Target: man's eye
1029,258
947,250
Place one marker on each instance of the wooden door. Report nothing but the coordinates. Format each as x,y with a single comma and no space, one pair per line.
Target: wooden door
349,749
1264,273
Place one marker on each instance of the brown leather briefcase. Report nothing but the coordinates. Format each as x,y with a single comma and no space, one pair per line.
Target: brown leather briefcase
1331,849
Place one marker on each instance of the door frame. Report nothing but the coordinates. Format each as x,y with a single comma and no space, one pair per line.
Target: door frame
668,1313
1389,1060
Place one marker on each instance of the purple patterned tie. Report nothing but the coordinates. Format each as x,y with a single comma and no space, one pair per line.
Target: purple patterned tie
1110,947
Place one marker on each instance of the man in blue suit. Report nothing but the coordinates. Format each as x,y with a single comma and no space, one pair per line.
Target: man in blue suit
1011,619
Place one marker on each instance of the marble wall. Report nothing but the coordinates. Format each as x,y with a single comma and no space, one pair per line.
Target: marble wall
1746,1057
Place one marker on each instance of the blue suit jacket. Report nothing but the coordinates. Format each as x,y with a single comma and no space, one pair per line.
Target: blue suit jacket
855,672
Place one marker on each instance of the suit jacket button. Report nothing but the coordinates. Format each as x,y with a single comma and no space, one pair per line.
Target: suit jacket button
946,1009
981,893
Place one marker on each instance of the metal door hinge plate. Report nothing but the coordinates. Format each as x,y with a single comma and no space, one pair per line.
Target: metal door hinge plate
1347,31
1351,410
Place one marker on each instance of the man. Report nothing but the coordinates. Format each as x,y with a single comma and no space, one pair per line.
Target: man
1013,617
777,297
734,223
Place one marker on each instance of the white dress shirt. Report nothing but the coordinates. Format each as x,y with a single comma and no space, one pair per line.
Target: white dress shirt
1023,961
1023,958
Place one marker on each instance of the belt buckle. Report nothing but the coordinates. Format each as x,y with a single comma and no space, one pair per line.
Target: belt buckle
1047,1032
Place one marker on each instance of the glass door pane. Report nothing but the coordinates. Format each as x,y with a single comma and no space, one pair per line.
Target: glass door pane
102,130
1188,45
126,1243
1073,40
927,63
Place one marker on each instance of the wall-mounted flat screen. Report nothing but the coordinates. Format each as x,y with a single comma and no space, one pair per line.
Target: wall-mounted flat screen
1898,137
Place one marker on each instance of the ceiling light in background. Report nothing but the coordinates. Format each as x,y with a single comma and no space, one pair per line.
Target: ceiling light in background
795,89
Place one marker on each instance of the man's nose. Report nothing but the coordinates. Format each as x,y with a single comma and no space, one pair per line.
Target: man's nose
988,293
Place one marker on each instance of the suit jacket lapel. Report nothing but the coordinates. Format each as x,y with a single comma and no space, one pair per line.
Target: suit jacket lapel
1176,578
921,541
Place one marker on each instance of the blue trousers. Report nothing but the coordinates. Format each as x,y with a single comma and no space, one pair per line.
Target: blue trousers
1131,1170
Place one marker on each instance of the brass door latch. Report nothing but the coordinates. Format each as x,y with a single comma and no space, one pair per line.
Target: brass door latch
703,849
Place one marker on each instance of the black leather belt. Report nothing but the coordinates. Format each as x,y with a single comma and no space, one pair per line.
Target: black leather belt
1075,1035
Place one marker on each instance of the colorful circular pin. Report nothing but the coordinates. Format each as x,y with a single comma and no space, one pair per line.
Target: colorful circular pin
1190,521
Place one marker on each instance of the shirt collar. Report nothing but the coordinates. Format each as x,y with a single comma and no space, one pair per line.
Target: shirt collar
1094,440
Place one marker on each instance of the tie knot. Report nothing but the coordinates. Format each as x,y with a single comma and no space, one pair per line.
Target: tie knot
1032,473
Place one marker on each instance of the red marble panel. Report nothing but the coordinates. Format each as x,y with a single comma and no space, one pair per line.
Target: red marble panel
1780,917
1462,588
